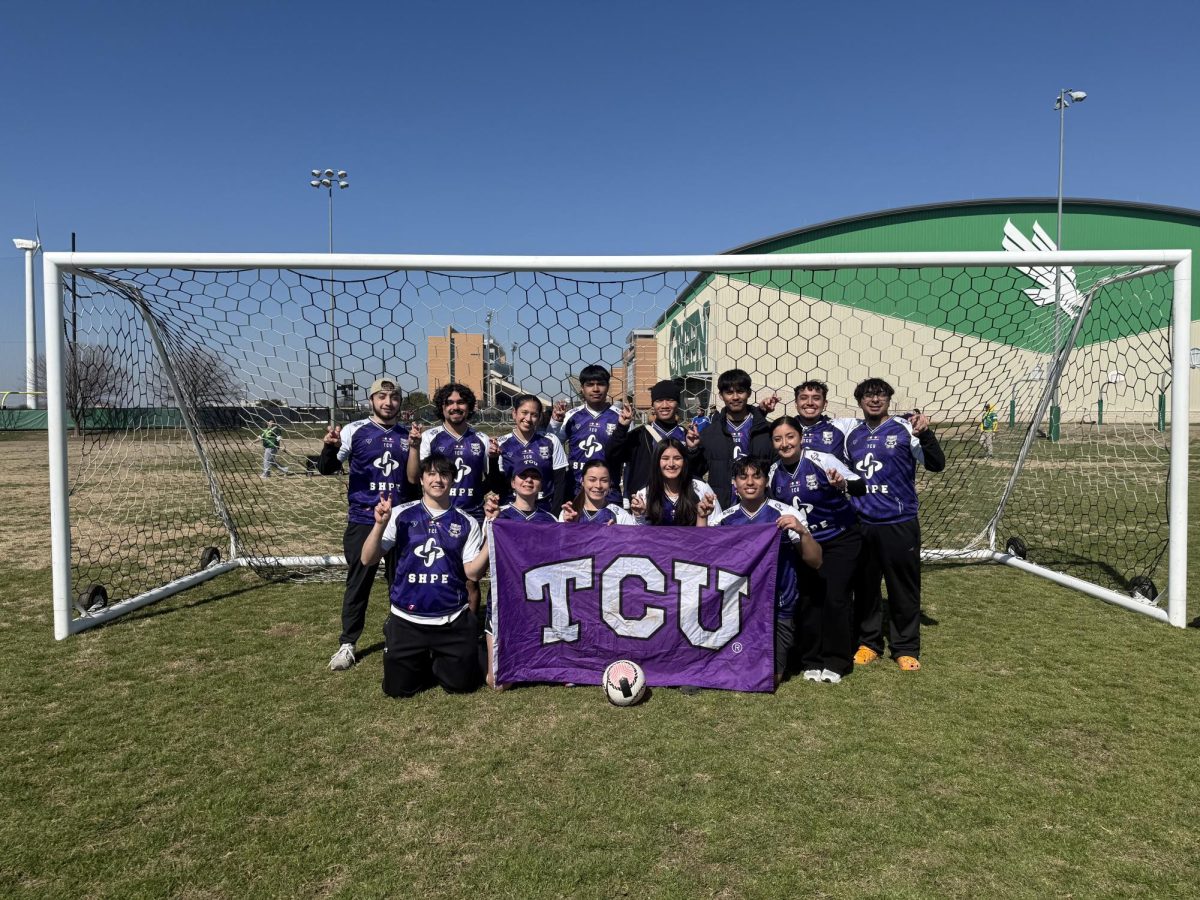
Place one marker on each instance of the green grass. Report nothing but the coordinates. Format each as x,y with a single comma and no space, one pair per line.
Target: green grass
199,748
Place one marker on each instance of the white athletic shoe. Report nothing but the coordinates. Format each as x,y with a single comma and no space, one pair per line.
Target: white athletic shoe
812,674
343,659
830,677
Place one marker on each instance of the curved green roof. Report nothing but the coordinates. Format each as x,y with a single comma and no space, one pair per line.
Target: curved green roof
1088,224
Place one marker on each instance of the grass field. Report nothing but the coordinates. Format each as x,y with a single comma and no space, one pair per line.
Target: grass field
199,748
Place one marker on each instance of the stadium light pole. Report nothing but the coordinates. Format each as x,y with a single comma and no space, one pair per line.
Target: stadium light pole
30,248
327,179
1066,97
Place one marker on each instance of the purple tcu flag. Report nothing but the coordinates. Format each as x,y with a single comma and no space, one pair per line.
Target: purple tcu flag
691,605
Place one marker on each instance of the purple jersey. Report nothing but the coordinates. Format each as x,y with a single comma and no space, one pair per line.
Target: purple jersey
469,454
585,435
544,449
807,487
827,435
378,462
610,515
886,459
433,545
787,584
699,488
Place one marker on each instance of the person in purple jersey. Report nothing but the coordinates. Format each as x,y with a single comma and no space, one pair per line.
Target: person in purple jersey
738,430
634,447
821,433
465,447
817,483
526,438
379,449
526,488
430,629
673,497
587,429
754,508
591,506
885,450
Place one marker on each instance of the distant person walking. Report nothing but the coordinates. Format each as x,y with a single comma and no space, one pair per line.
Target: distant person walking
988,426
272,440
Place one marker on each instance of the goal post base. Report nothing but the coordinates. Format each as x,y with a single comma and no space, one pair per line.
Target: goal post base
1086,587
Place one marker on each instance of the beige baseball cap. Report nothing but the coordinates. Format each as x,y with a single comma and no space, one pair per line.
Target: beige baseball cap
383,383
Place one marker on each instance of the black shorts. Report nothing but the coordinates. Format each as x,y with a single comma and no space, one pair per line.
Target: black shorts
785,637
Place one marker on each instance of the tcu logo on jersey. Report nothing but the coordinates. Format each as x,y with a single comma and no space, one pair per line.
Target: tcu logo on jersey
557,582
869,465
591,446
387,464
429,552
810,482
610,428
890,442
544,451
827,437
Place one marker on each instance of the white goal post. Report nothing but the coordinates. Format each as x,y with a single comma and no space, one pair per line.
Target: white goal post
1173,265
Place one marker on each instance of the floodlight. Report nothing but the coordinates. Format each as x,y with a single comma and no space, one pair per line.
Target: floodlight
343,184
341,173
1077,96
329,173
325,182
316,173
315,183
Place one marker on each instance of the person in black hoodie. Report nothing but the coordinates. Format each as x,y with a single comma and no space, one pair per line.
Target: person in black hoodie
634,447
737,430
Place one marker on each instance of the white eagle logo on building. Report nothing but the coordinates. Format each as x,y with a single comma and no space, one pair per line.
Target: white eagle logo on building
1043,295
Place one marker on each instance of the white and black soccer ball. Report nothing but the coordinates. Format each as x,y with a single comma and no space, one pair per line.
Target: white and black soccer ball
624,683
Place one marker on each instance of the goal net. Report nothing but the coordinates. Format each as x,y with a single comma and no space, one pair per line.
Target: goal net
164,373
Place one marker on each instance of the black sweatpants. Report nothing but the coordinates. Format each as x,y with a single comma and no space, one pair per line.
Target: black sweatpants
359,579
892,552
413,652
826,615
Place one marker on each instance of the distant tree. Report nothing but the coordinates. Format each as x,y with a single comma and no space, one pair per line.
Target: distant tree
94,378
205,379
415,401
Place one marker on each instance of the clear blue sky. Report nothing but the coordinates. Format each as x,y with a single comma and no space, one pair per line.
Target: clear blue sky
564,127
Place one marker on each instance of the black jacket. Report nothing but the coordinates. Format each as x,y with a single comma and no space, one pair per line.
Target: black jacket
634,447
714,456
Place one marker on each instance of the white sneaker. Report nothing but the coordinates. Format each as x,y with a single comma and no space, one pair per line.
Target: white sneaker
343,659
830,677
812,674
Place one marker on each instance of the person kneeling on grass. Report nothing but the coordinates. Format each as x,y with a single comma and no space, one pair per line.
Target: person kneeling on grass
753,508
430,629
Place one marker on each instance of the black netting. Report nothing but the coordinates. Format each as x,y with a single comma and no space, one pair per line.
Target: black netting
243,347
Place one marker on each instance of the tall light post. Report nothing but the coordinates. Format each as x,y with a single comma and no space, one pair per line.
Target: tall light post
327,179
30,248
1065,98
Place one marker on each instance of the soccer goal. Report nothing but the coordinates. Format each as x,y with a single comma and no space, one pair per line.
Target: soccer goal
165,370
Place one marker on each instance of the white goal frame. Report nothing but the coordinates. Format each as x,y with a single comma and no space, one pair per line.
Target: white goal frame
56,265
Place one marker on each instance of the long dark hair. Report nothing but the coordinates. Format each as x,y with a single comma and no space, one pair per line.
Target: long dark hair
656,490
581,498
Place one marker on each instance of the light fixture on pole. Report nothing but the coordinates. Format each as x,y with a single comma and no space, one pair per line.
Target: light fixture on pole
1065,98
327,179
30,248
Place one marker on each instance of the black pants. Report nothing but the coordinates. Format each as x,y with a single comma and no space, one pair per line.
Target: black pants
412,653
828,630
359,579
892,552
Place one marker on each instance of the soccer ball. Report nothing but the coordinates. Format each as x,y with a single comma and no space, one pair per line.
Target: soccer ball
624,683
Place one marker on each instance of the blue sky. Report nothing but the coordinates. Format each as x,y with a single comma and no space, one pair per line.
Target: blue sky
564,127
